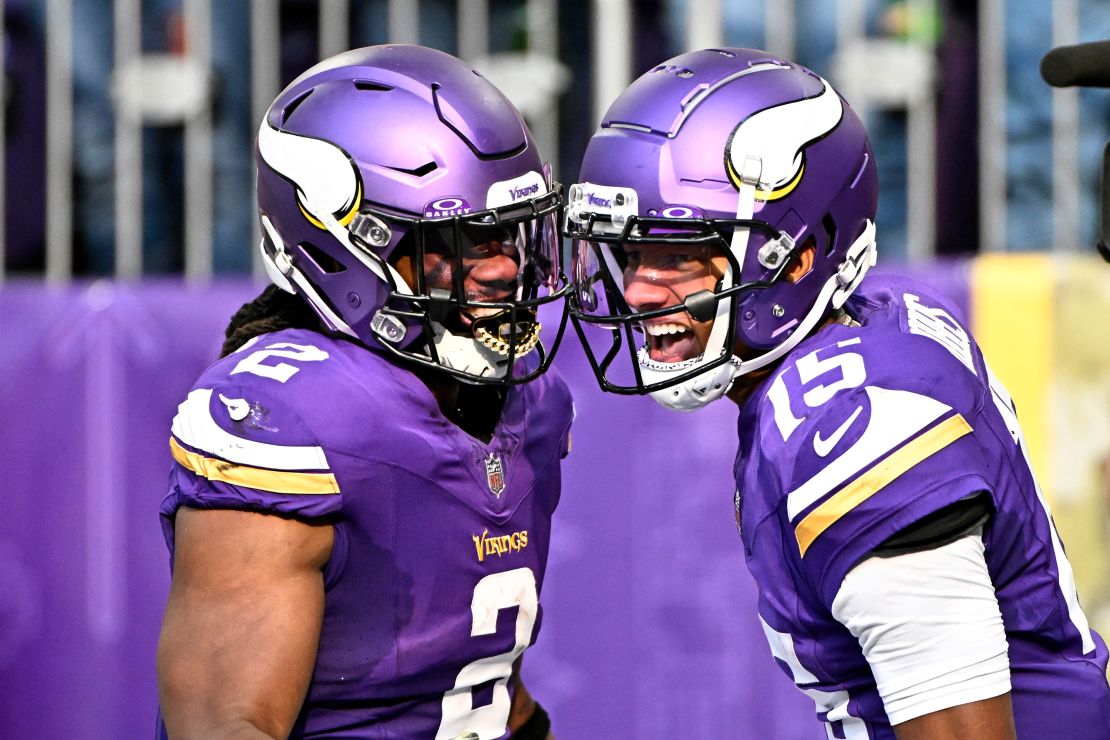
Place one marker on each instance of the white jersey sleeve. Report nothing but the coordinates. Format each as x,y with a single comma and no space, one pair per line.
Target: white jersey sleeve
930,627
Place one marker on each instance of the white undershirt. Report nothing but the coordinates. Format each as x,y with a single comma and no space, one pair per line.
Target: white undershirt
929,626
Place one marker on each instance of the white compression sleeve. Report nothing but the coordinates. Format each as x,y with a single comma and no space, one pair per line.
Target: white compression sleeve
929,626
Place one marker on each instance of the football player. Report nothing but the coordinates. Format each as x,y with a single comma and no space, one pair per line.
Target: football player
910,578
360,508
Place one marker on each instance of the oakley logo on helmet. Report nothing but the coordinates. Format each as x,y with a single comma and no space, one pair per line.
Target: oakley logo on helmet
679,212
443,207
778,136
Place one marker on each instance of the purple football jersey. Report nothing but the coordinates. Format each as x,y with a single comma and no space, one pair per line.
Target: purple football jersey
441,540
865,429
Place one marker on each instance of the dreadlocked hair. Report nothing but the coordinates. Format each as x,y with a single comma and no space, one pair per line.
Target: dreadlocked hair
272,310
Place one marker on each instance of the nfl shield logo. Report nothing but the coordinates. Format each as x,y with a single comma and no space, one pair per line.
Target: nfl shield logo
495,475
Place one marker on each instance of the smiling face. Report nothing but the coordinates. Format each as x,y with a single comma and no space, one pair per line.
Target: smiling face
490,273
662,276
490,267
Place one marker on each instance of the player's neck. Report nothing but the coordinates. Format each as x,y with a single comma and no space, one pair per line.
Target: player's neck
743,387
746,385
476,409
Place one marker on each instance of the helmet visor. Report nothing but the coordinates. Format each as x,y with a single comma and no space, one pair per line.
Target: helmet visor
654,304
504,258
484,276
615,281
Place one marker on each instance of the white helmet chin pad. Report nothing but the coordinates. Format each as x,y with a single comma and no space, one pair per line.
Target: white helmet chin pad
471,357
468,355
695,392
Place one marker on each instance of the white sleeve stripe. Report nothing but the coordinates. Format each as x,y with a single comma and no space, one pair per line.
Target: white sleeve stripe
195,426
929,626
896,416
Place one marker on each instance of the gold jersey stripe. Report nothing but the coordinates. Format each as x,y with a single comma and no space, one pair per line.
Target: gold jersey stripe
277,481
877,478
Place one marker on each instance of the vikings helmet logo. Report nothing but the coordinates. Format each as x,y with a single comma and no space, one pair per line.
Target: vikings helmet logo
778,137
325,178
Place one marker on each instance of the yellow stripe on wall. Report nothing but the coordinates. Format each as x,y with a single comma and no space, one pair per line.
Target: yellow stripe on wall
877,478
1012,299
277,481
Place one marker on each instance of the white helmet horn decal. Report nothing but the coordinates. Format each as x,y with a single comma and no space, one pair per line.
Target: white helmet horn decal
328,190
326,181
778,136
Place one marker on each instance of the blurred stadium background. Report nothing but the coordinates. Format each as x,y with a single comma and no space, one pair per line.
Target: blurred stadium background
126,240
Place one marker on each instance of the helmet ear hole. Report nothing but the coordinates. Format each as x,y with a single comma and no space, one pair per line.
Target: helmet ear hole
801,264
321,260
830,233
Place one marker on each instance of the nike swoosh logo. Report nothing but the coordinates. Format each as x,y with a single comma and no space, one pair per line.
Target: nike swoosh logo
824,446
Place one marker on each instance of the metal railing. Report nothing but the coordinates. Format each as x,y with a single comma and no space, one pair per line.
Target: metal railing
59,138
611,51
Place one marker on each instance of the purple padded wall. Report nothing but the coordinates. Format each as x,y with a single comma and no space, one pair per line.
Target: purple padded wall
90,377
649,623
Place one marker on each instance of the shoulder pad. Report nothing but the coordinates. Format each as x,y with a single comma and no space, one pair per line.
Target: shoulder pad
248,421
894,352
242,436
830,445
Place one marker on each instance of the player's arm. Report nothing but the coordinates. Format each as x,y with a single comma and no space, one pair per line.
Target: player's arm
242,624
527,719
988,719
927,617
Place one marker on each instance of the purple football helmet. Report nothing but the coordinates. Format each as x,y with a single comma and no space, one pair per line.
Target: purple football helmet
386,175
745,153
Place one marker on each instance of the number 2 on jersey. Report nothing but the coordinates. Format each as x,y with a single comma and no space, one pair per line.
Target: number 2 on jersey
255,362
493,593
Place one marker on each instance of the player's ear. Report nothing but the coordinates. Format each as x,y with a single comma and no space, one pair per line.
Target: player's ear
802,262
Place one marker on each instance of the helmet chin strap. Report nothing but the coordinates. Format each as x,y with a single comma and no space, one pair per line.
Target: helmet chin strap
703,388
859,259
